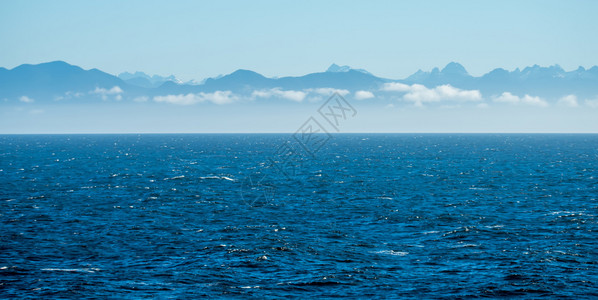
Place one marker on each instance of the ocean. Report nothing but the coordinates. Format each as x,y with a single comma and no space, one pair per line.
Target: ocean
277,215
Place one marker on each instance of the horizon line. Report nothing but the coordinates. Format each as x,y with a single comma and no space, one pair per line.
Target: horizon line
331,133
357,69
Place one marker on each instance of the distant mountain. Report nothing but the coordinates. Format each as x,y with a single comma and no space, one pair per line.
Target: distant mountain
454,74
143,80
246,81
55,81
334,68
351,80
548,82
238,81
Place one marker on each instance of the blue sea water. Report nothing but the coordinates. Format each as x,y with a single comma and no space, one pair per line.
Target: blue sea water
237,216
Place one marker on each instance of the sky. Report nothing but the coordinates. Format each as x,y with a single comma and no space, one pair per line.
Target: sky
392,39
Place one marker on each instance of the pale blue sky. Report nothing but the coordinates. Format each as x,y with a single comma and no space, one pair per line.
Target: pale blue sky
198,39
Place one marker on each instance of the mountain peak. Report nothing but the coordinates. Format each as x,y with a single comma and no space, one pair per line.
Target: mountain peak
454,68
53,65
336,68
144,80
245,73
557,68
56,63
236,79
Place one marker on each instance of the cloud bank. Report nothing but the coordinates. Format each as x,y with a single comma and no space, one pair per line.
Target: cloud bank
569,101
225,97
292,95
217,97
362,95
509,98
419,94
115,91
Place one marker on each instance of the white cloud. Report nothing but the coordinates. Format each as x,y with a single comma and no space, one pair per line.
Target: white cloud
297,96
569,100
536,101
217,97
419,94
449,92
592,103
313,99
396,87
418,104
507,97
69,95
179,99
320,94
26,99
327,91
362,95
115,90
141,99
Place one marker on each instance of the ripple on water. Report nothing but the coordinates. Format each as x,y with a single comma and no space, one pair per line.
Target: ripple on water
376,216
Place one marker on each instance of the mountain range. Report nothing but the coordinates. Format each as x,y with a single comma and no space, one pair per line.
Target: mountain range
143,80
59,80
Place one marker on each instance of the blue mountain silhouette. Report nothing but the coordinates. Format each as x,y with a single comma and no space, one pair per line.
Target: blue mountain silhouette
52,80
143,80
550,82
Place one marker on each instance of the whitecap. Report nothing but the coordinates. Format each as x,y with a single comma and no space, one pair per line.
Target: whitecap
495,226
478,188
565,213
465,246
562,212
392,252
85,270
217,177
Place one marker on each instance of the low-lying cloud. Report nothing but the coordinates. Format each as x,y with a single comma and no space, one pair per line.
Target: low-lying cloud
569,101
509,98
592,103
217,97
292,95
115,91
396,87
328,91
362,95
419,94
224,97
26,99
140,99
